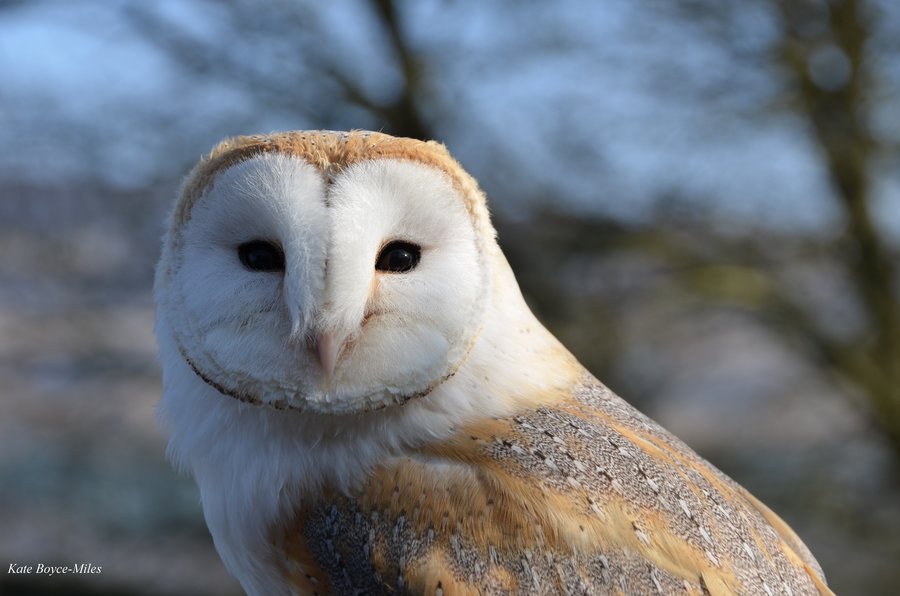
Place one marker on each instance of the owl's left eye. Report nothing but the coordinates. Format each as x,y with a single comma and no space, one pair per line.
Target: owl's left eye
261,255
398,257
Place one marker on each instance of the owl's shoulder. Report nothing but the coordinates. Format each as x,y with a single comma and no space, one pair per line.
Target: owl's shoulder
582,496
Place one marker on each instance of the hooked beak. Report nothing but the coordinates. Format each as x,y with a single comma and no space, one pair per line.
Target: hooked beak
328,348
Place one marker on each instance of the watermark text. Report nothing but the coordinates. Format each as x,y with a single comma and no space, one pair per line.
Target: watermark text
50,570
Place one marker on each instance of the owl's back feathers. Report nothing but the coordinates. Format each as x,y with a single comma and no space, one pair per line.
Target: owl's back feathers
585,496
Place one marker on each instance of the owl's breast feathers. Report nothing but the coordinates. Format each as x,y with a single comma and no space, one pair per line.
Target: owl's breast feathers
582,497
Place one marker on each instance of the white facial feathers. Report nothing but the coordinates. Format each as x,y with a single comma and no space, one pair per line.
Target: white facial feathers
417,322
271,336
276,198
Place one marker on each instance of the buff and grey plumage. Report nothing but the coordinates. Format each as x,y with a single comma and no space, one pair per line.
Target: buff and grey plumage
361,431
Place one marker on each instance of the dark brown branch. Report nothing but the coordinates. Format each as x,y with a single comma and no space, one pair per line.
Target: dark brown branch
837,119
404,114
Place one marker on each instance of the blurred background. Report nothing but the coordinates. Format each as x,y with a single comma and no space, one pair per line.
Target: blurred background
701,198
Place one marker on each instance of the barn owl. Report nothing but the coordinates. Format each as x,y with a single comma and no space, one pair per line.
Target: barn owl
368,406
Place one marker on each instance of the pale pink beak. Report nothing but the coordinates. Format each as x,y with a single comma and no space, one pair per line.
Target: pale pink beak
328,349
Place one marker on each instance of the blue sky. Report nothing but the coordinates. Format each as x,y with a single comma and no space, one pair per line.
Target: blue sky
78,63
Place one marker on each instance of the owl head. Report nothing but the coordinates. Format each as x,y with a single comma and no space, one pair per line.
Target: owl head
328,272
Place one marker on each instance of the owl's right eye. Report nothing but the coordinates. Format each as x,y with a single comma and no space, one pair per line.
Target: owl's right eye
261,255
398,257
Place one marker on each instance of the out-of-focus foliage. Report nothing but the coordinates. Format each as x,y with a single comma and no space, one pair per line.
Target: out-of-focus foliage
700,197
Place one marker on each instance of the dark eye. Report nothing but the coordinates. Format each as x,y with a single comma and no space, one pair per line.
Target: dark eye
398,257
261,255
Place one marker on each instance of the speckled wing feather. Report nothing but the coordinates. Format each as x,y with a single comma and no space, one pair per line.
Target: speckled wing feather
586,496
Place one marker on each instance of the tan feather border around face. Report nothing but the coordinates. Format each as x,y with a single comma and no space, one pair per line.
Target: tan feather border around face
331,152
